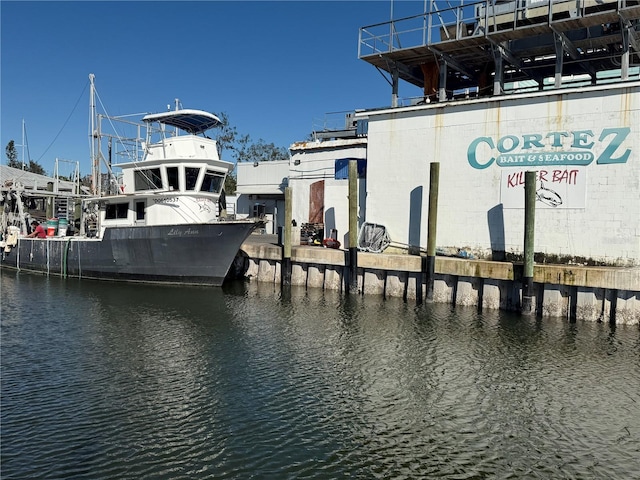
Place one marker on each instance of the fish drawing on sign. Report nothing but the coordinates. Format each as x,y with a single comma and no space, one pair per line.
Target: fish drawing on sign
548,196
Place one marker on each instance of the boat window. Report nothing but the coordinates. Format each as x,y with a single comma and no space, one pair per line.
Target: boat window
212,182
139,210
117,210
148,179
172,177
191,177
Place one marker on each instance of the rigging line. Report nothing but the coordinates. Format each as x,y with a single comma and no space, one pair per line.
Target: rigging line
65,122
26,141
383,75
119,138
91,134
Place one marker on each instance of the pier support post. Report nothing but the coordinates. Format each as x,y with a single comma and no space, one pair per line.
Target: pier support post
434,181
559,48
395,76
528,306
442,82
286,248
352,287
624,58
498,79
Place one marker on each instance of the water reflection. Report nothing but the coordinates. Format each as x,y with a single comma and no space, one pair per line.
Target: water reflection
134,381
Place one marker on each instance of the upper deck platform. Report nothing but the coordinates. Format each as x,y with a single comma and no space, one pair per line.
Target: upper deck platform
591,36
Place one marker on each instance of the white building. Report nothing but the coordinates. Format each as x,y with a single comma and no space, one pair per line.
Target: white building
260,191
583,143
319,183
317,175
557,91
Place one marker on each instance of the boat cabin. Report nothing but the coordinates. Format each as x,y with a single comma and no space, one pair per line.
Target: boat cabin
179,179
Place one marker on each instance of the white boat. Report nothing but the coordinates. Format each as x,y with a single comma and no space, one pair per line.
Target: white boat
160,221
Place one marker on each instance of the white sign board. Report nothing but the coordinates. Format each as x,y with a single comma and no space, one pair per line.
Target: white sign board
560,187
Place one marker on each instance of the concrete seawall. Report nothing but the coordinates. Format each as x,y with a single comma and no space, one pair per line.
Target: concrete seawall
571,291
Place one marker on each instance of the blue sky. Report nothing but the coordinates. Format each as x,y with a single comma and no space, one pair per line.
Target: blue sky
276,68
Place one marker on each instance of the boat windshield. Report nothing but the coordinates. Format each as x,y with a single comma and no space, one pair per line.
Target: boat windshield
173,178
191,177
212,182
151,179
148,179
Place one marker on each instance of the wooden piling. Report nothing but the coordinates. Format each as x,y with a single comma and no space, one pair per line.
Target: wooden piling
353,227
528,305
286,247
430,264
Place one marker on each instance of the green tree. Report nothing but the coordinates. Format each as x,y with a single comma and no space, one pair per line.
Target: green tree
261,151
12,160
227,134
12,155
35,167
230,184
243,148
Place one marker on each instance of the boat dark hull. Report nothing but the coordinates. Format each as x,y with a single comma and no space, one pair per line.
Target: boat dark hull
198,254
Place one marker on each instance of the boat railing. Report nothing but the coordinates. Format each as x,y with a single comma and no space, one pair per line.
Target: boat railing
124,139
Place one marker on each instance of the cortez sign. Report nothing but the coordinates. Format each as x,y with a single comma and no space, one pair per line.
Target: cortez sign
580,147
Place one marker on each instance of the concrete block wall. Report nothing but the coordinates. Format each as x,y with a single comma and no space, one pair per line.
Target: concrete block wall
603,122
571,292
627,307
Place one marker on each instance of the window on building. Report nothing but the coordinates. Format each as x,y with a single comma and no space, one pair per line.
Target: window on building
191,177
259,210
342,168
116,211
212,182
148,179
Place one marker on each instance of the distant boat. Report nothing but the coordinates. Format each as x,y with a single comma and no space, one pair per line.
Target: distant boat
159,222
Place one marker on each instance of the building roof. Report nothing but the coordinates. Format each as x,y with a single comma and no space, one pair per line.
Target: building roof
328,144
10,176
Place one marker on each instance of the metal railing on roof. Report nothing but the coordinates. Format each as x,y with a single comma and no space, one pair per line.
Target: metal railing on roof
417,30
473,19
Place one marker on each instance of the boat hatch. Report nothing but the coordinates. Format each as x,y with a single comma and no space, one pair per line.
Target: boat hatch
191,121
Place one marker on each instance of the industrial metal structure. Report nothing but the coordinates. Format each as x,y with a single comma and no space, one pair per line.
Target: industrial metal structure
490,47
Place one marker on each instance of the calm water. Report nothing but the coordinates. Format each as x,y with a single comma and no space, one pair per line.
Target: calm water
113,381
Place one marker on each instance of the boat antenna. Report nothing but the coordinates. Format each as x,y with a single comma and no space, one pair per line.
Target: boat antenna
95,162
177,107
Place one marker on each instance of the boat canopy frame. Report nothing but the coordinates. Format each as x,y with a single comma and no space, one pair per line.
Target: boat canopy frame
191,121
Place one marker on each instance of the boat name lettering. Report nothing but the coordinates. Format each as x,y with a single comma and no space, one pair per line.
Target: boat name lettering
166,200
179,232
534,149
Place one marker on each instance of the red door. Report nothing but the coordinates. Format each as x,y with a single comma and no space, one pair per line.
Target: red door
316,202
